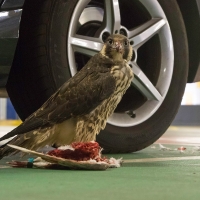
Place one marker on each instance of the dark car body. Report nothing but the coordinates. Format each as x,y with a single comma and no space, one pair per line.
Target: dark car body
10,16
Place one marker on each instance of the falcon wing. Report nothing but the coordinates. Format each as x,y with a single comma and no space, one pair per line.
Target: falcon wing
78,96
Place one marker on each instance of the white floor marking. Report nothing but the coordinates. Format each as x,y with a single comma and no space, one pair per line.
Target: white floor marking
143,160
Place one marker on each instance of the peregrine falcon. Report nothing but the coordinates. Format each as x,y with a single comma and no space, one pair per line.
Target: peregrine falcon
79,109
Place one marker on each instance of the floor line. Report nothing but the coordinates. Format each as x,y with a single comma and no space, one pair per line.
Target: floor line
160,159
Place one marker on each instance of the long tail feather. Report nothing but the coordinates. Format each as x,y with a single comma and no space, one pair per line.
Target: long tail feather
32,140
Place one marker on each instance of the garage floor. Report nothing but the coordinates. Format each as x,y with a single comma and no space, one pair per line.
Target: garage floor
165,170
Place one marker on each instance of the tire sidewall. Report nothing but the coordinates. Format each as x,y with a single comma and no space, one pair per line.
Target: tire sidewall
58,34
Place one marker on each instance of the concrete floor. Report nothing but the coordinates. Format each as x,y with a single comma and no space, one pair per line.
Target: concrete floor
189,135
168,169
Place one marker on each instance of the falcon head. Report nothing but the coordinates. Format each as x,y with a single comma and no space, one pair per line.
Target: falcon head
118,48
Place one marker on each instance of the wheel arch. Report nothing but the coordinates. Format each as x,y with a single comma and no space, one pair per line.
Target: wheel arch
190,10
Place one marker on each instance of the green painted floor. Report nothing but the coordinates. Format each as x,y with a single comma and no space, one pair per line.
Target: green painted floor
143,176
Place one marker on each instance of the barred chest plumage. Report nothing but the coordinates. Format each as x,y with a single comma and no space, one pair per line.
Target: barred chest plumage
92,124
123,75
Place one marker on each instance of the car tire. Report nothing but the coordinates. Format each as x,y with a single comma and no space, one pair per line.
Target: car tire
42,64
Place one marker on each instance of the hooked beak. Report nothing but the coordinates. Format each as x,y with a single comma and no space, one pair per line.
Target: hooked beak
118,46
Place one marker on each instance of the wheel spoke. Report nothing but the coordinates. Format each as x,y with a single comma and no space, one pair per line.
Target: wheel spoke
112,17
144,85
85,45
146,31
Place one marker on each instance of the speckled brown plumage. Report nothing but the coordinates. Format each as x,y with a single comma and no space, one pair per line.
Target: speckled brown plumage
82,105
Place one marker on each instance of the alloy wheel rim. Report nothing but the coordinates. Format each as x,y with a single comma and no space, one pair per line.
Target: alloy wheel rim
110,19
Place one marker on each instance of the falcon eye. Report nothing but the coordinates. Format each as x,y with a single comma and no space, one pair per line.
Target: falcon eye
110,41
126,43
